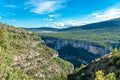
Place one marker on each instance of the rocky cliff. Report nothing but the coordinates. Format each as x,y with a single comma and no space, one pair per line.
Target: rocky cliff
75,51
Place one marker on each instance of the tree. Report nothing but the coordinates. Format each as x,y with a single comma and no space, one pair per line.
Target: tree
99,75
110,76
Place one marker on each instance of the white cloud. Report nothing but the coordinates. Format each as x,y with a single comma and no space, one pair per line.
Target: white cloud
54,15
98,16
44,6
47,19
58,24
68,23
0,17
109,14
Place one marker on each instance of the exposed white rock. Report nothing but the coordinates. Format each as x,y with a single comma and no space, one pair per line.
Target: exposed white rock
59,43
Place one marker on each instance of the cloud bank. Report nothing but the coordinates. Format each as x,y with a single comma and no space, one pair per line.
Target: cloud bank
111,13
97,16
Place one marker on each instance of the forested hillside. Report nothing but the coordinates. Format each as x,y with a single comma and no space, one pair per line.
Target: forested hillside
24,56
104,68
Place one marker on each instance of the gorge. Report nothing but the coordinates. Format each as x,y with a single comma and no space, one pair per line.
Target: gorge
75,51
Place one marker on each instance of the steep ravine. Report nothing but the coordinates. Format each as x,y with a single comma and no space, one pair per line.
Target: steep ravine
74,51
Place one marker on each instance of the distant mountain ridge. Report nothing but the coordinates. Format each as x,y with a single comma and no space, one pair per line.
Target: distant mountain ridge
104,24
43,29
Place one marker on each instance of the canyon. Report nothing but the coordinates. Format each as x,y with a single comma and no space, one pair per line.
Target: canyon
75,51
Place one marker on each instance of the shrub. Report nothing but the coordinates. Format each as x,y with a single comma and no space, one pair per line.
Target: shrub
100,76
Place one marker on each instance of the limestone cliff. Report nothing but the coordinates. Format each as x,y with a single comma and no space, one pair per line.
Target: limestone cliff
75,50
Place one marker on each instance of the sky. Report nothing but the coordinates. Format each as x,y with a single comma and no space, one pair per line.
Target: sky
57,13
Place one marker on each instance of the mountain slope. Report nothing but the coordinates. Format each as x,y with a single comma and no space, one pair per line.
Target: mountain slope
113,23
28,55
108,64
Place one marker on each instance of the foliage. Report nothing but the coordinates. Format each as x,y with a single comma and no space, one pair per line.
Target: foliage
110,76
116,57
100,76
7,72
110,63
3,38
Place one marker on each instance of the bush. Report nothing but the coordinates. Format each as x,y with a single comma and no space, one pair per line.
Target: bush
110,76
100,76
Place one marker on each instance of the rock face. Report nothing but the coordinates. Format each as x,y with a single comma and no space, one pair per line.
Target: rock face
75,51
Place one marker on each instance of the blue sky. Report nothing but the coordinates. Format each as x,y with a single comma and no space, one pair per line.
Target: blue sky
57,13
